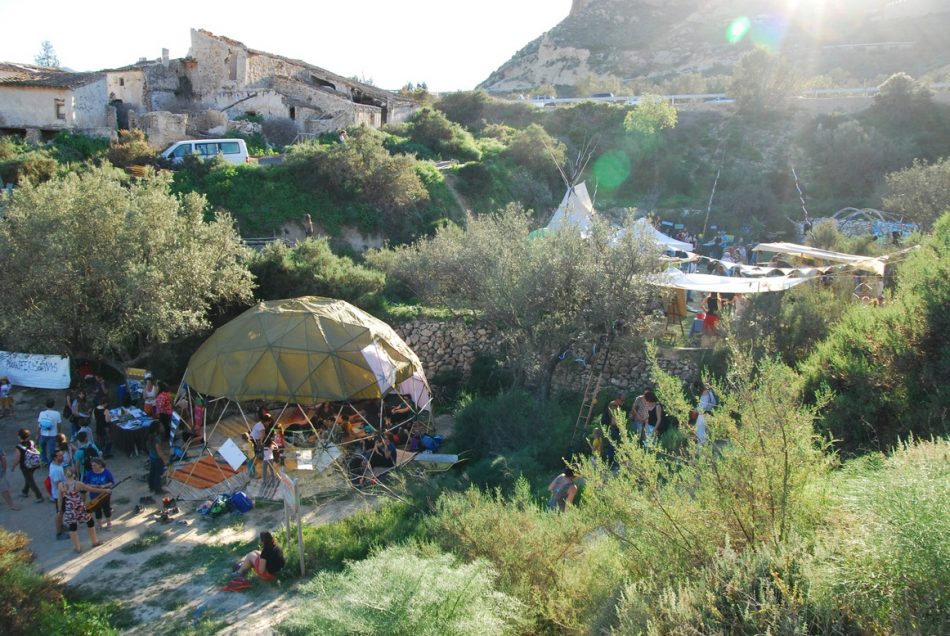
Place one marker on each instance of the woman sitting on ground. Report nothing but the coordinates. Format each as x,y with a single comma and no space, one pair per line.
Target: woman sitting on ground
266,562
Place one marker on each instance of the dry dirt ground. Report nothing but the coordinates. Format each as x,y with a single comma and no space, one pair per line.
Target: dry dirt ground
165,577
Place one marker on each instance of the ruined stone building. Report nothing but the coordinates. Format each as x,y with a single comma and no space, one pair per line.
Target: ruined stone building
173,99
226,75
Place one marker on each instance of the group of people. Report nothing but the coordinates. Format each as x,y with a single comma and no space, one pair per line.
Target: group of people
78,480
646,421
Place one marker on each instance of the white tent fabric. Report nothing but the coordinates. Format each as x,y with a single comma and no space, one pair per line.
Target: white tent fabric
661,239
677,279
382,365
417,388
864,263
576,211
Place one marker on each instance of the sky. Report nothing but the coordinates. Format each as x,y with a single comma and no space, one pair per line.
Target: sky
448,44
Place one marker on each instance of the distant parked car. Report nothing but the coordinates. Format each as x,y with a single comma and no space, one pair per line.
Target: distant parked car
543,97
233,150
602,95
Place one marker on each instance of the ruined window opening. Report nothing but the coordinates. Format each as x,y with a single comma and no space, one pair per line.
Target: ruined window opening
121,81
322,82
293,112
231,61
60,108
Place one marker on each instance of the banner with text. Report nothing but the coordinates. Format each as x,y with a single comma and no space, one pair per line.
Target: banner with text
34,370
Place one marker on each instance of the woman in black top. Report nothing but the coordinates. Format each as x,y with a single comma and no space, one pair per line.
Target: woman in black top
266,562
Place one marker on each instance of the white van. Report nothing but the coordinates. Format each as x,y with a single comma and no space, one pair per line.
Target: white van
233,150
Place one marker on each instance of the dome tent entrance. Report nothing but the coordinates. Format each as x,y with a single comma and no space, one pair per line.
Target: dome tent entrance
300,351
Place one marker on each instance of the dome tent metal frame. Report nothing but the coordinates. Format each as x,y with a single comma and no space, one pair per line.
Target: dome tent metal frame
300,351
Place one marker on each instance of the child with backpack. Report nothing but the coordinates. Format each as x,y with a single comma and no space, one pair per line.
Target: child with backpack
28,459
85,453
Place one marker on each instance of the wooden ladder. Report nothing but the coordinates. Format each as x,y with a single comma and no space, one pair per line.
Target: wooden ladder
597,368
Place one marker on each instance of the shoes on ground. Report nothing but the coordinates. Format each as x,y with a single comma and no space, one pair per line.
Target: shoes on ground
62,536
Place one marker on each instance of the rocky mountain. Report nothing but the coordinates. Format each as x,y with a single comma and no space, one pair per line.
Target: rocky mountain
658,39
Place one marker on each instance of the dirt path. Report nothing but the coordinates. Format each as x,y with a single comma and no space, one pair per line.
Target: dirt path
165,577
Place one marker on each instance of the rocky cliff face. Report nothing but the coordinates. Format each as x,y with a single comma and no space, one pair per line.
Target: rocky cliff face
630,39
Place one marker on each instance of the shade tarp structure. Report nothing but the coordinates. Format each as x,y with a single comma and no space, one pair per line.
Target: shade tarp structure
676,279
864,263
575,212
662,240
303,350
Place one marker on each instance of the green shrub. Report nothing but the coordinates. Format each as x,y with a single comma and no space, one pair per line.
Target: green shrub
406,591
889,367
329,547
888,565
31,603
132,149
311,268
762,591
76,147
555,563
35,165
510,435
448,140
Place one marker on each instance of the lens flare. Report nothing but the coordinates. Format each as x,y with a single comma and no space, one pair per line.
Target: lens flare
738,29
612,169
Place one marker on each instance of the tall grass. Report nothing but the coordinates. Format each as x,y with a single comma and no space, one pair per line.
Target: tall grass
889,554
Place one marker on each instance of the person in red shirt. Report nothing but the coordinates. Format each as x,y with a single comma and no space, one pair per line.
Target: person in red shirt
163,406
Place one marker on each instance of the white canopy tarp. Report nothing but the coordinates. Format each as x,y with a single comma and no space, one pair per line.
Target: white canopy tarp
864,263
576,211
677,279
661,239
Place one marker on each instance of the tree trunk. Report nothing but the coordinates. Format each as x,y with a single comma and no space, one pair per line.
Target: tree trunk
547,378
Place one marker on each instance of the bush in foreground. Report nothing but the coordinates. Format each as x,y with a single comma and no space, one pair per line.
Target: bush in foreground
404,590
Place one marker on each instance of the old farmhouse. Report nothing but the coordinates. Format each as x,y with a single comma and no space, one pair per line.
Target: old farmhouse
171,99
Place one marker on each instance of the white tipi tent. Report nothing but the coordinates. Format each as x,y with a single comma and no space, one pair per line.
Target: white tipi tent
576,211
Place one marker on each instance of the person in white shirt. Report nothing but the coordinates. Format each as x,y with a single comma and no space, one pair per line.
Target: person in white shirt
707,399
57,475
699,422
47,429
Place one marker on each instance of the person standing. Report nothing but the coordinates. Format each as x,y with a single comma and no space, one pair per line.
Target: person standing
103,420
308,226
74,509
28,459
156,458
563,490
6,399
101,477
164,409
47,429
707,399
149,393
5,483
57,475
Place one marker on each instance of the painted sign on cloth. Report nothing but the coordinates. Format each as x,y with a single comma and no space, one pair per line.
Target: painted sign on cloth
35,370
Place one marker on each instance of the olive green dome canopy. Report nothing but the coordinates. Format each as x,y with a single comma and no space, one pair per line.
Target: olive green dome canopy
302,350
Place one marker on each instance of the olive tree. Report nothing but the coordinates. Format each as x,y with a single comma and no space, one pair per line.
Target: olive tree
541,293
94,267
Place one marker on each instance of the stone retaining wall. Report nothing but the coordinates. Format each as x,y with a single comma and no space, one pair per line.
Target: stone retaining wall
452,346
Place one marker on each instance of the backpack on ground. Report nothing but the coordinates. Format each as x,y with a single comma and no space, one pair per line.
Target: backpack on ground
241,502
220,505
